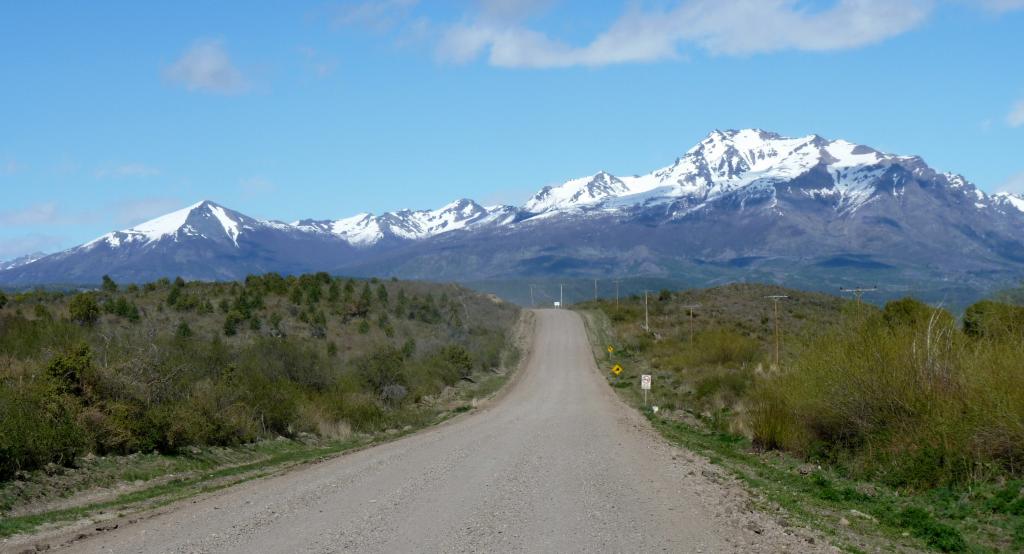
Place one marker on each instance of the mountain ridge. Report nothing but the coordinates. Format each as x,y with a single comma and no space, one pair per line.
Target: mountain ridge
738,199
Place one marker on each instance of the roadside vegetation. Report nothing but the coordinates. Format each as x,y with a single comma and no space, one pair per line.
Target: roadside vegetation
195,376
905,416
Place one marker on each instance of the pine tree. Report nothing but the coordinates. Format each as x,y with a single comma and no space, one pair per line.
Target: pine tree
108,284
365,298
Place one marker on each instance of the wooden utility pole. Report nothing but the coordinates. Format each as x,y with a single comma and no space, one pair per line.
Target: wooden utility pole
561,301
691,307
647,320
533,302
858,292
617,294
595,290
778,332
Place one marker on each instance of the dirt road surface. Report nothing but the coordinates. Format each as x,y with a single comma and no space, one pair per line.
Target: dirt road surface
557,464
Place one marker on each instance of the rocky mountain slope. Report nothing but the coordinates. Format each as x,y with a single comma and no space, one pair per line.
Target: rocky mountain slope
739,205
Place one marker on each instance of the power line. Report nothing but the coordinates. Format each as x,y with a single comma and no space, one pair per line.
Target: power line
858,292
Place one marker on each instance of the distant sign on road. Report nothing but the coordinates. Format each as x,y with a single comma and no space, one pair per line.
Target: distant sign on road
611,349
558,304
616,369
645,382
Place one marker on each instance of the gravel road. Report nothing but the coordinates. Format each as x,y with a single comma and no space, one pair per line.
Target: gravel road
557,464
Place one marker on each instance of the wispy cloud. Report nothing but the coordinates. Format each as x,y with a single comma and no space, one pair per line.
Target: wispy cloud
37,214
742,27
121,213
1014,184
136,210
20,245
377,15
1000,6
317,62
512,9
10,167
127,170
1016,116
206,67
256,186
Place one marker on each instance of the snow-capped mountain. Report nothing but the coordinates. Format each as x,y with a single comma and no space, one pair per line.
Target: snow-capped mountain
202,241
745,204
729,161
21,260
204,220
1008,200
366,229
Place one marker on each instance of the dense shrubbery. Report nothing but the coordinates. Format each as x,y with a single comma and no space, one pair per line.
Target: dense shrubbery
905,394
132,369
910,399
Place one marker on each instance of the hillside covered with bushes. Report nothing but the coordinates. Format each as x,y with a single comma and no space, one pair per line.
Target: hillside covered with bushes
173,364
905,396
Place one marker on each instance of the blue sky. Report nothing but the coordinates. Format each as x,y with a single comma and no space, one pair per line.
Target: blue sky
115,112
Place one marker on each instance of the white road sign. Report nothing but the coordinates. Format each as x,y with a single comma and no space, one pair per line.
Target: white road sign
645,382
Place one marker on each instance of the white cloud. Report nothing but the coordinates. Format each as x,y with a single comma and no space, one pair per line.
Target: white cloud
206,66
742,27
1016,116
1014,184
127,170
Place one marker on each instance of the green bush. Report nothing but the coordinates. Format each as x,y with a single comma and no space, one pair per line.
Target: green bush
916,405
84,309
39,426
91,384
382,368
994,320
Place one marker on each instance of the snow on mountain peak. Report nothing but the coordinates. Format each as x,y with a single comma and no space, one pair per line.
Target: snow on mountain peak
1009,199
186,221
164,225
721,163
584,191
365,229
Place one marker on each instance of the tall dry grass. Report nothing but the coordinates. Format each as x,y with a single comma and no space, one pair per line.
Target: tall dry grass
905,396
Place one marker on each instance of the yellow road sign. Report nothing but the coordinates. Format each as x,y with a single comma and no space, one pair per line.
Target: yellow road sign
611,349
616,369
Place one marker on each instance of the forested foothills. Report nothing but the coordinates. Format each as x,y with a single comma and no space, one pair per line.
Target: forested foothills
905,397
173,364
